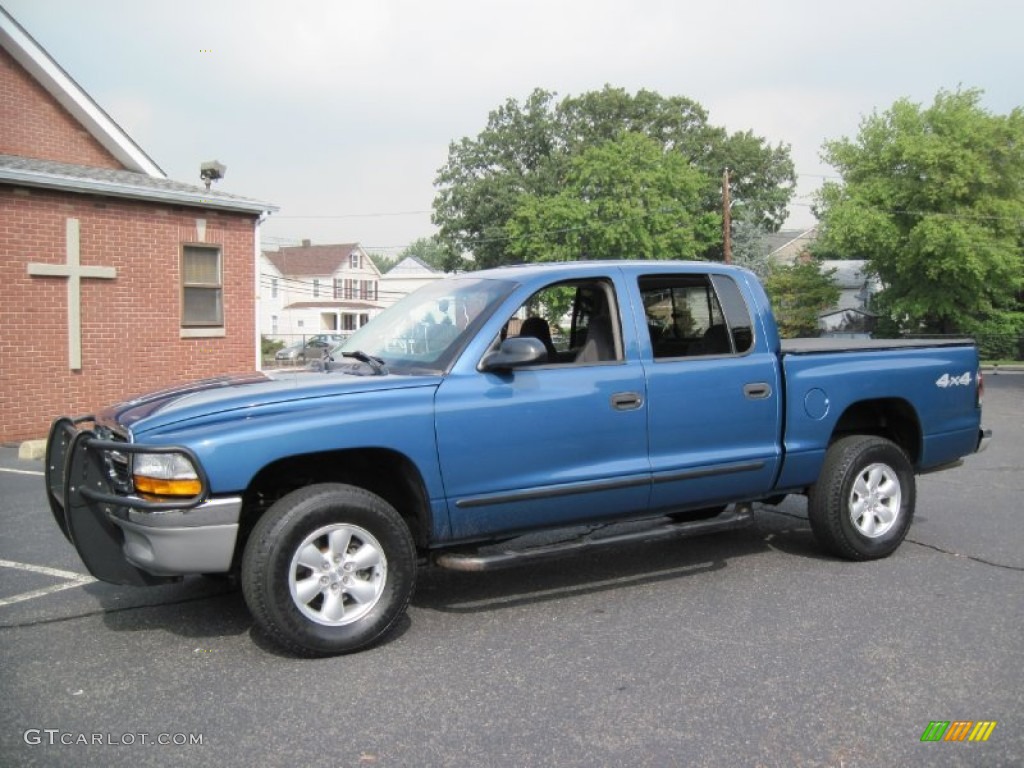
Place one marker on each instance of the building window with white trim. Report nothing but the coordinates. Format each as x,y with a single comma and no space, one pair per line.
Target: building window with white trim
202,290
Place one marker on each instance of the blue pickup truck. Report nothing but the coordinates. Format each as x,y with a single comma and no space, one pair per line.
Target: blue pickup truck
499,403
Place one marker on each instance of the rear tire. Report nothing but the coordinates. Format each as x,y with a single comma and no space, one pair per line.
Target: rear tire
328,569
863,503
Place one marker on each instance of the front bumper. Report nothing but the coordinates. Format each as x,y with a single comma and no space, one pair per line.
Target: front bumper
125,539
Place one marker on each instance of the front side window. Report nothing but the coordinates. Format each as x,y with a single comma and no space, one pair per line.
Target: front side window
685,316
576,321
425,331
202,291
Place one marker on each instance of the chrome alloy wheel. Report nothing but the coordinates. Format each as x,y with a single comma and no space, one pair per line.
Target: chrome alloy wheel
875,500
337,574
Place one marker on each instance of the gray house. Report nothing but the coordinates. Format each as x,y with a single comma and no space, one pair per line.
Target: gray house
851,315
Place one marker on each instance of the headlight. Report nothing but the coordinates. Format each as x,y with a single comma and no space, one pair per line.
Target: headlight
165,474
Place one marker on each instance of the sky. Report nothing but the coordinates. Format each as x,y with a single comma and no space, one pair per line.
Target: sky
341,112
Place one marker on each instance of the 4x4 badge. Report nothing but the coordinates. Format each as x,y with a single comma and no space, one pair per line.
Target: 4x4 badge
945,380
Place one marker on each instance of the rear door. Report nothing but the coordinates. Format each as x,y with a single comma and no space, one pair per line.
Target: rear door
714,405
559,442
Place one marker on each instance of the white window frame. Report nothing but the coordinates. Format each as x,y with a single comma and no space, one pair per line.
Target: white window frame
203,327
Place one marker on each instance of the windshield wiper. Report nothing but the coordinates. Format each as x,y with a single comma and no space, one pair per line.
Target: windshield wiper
379,367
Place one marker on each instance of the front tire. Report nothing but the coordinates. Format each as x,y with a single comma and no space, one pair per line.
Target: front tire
328,569
863,503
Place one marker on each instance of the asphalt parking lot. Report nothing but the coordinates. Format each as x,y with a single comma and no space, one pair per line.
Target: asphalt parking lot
741,649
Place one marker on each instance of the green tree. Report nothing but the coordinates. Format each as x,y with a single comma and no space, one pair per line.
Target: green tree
934,199
382,261
528,151
750,248
481,183
799,293
625,198
434,253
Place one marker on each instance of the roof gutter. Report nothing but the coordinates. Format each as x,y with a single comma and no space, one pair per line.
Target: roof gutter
198,199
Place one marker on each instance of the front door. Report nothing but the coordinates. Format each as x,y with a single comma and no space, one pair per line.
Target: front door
563,441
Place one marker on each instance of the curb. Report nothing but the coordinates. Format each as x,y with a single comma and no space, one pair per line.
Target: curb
32,450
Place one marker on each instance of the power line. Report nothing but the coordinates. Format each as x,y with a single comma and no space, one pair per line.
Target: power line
819,176
325,290
355,215
544,234
939,214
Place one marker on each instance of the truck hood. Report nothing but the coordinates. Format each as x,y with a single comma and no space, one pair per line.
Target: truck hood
212,397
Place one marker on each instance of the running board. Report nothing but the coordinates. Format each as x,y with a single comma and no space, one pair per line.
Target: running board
740,516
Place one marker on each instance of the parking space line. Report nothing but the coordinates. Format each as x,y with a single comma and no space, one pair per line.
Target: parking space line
46,571
70,579
34,472
43,592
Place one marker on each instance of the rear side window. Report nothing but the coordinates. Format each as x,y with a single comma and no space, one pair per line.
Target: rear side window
695,315
737,315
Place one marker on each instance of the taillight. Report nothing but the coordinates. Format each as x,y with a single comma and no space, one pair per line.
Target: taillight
979,394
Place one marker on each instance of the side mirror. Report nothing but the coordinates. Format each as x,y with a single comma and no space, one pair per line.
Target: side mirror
513,353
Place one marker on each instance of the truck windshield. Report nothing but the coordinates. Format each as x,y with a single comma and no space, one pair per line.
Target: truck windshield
426,330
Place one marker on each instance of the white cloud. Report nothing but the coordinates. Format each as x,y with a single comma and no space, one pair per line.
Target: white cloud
323,105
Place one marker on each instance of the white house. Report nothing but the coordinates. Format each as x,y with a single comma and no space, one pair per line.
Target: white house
404,278
311,289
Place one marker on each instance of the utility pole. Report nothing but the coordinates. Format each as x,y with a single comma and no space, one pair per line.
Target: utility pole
726,220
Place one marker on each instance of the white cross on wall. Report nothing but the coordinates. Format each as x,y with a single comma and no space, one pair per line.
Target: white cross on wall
74,272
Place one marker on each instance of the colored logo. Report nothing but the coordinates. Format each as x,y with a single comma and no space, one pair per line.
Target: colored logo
958,730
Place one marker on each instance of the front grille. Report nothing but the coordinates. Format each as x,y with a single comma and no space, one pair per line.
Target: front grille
116,463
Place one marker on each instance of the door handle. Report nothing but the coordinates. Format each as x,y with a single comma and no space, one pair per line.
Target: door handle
627,401
759,390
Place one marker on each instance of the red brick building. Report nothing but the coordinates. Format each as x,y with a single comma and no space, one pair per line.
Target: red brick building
113,279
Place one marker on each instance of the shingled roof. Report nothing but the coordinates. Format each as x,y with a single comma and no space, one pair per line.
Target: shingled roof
787,244
307,259
411,266
140,178
31,172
